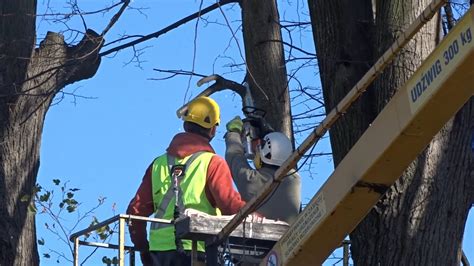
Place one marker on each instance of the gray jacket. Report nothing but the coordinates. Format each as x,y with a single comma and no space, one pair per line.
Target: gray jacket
284,203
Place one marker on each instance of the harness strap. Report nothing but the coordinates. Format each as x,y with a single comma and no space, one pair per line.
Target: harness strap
160,212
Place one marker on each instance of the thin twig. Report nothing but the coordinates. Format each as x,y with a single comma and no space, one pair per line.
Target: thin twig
449,16
291,46
196,27
103,10
175,73
170,27
116,17
249,73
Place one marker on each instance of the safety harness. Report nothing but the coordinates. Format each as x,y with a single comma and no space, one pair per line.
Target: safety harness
177,173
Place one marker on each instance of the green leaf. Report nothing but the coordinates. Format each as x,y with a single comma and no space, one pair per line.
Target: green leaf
61,205
41,242
37,188
71,208
94,221
56,181
25,198
100,230
32,208
114,260
70,195
45,196
106,260
46,255
102,236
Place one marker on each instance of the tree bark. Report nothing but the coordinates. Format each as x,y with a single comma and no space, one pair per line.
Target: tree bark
29,79
421,219
344,47
266,73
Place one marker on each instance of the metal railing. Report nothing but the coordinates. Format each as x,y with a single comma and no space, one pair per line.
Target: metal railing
122,219
121,247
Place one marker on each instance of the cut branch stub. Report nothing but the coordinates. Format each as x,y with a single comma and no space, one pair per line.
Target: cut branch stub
83,59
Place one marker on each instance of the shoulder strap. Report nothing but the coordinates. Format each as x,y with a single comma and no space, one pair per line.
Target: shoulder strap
172,160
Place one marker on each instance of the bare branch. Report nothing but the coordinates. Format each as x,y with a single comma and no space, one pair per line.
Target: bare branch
77,10
68,15
291,46
170,27
194,52
318,154
115,18
292,24
124,37
449,16
136,57
175,73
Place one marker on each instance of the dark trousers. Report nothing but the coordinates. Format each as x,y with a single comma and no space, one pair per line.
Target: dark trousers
174,258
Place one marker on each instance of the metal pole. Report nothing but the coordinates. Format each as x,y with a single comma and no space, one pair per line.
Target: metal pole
194,253
332,117
211,254
94,227
345,254
122,218
76,251
121,255
132,258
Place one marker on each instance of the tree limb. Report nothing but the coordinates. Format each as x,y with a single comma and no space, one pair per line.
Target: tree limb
291,46
174,73
170,27
84,59
449,16
116,17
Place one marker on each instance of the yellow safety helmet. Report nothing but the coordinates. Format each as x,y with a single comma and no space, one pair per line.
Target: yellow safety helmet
203,111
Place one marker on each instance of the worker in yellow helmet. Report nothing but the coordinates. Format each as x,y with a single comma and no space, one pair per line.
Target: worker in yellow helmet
205,185
273,150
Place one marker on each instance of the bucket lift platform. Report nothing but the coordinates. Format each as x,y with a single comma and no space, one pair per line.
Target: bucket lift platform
248,243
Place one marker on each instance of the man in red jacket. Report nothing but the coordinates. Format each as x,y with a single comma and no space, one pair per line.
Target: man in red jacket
206,186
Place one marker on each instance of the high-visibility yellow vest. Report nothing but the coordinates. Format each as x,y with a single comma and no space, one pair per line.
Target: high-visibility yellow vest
192,192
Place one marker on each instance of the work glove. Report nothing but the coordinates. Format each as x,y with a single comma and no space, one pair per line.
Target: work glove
235,125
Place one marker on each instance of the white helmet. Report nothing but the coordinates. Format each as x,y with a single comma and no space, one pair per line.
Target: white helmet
275,149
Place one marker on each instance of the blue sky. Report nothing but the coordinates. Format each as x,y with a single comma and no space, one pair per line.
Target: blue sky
103,139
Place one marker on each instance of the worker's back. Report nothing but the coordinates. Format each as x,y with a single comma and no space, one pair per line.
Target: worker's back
283,204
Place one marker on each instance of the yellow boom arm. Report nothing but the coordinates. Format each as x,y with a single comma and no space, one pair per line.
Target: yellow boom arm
436,91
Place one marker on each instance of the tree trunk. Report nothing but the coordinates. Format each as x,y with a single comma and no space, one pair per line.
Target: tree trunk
421,220
344,47
264,54
29,79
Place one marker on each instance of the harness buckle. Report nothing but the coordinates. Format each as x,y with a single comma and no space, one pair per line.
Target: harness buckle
178,170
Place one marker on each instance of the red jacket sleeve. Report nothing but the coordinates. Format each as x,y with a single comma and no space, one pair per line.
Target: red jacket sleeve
219,187
141,205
